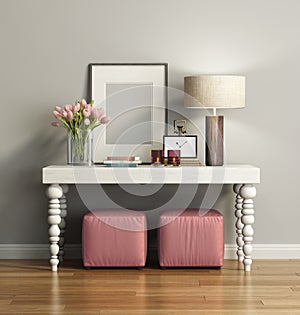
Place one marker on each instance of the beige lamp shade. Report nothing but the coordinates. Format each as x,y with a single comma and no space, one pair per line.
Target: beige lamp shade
214,91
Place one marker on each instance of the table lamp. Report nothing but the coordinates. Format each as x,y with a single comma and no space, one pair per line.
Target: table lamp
214,92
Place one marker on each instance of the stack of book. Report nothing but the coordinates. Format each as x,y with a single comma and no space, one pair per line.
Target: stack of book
122,161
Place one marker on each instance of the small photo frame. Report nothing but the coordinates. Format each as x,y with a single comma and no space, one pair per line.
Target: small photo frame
186,144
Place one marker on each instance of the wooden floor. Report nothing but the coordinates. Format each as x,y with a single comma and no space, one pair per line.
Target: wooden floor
28,287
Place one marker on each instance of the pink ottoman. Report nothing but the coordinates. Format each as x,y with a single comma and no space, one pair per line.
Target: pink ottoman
114,238
192,238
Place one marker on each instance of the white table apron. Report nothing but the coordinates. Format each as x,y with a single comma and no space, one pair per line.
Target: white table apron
241,176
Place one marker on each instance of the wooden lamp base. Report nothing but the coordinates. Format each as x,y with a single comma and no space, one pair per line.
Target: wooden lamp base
214,140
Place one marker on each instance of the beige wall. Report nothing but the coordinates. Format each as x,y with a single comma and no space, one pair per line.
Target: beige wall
47,45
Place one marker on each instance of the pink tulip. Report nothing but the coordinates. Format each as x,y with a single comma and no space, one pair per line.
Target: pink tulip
87,122
83,102
76,107
104,120
86,112
68,108
58,109
100,112
55,124
65,114
97,113
70,116
56,114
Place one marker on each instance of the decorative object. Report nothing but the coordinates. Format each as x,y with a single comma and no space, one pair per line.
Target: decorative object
79,119
190,162
114,238
186,144
197,238
157,157
214,92
134,96
80,147
180,126
122,161
123,158
174,157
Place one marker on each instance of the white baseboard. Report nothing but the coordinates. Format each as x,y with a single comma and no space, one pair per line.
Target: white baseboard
73,251
36,251
267,251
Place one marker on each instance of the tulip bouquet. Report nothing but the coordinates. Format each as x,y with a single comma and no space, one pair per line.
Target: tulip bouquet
79,119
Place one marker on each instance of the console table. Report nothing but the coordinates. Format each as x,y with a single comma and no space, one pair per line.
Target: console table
242,177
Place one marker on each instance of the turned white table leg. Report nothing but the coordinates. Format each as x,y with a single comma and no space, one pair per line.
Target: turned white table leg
54,192
248,192
239,225
62,225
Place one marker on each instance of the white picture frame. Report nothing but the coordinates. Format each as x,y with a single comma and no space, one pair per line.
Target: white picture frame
128,92
186,144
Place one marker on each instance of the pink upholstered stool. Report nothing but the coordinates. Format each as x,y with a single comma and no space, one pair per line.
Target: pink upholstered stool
114,238
192,238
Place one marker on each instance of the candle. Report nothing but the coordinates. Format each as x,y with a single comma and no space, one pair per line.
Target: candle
174,157
174,161
156,157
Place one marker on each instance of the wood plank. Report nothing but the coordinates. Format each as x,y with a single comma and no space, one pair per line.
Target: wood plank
5,302
291,301
20,309
196,312
217,291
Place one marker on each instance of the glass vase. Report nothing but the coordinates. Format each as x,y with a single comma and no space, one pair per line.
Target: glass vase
80,147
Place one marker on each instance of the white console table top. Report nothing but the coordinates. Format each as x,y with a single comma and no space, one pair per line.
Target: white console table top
147,174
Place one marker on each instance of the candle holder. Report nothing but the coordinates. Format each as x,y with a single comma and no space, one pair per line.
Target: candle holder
157,158
174,157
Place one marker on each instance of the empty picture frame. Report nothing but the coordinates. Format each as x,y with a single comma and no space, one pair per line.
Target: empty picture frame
186,144
134,97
